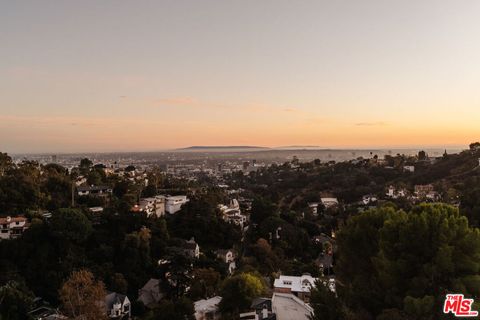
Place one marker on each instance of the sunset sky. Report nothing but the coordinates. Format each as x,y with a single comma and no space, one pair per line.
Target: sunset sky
151,75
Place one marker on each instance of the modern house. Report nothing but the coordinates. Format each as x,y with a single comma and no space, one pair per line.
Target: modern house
232,213
173,204
152,206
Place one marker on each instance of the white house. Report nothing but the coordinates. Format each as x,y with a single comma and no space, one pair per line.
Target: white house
117,306
409,168
12,227
152,206
207,309
173,204
299,286
232,213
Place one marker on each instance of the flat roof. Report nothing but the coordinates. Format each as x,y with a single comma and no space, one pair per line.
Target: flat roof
288,307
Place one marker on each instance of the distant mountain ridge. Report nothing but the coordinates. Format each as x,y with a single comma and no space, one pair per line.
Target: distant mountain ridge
222,148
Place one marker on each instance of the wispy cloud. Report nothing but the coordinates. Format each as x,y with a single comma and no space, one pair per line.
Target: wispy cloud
371,124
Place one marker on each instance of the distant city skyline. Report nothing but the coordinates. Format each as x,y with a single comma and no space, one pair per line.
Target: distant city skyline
97,76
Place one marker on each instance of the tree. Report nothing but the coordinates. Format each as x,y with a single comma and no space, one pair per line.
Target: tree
238,293
407,261
5,163
136,257
82,296
426,253
470,204
265,256
15,301
118,283
474,146
357,245
71,225
205,283
262,209
86,163
422,155
325,304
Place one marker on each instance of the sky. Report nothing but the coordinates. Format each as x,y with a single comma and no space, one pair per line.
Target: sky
142,75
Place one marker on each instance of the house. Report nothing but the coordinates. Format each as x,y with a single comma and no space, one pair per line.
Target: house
409,168
395,194
298,286
367,199
232,213
46,313
313,206
228,257
191,249
12,227
41,310
94,190
433,196
173,204
151,206
329,202
421,191
117,306
80,180
287,306
262,310
207,309
150,294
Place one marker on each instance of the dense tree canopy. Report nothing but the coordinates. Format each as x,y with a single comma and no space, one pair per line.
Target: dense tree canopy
391,259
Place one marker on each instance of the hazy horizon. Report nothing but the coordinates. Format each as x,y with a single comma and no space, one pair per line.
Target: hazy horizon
124,76
450,148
